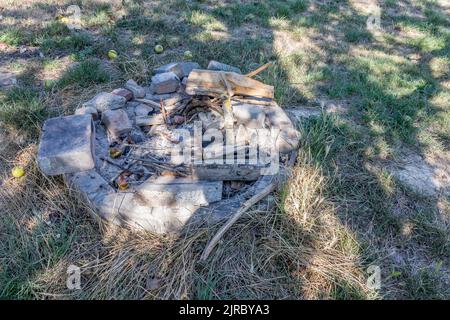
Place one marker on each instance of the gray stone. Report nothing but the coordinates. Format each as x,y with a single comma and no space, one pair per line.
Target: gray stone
67,145
181,69
166,82
116,122
142,110
127,94
249,115
166,191
218,66
137,90
105,101
88,110
7,79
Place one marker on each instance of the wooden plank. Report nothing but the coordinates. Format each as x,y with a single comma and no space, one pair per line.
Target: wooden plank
211,82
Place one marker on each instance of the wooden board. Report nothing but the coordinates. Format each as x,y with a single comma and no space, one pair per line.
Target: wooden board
208,82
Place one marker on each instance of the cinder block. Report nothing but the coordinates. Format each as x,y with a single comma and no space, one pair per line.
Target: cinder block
67,145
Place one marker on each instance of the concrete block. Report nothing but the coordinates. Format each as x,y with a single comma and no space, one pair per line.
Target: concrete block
166,82
218,66
167,191
106,101
116,122
67,145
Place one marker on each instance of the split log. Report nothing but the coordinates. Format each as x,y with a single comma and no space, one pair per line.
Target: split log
208,82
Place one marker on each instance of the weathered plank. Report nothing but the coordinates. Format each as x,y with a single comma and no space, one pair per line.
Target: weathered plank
211,83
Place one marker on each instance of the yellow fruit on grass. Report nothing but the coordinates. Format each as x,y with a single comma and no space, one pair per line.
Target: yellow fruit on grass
18,172
159,48
187,54
112,54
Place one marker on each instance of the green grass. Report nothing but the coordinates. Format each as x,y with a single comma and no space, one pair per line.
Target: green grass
23,108
84,74
13,36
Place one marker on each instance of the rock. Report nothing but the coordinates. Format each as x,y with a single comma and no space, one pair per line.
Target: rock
116,122
218,66
67,145
137,90
166,82
249,115
301,113
177,119
105,101
127,94
181,69
7,79
166,191
142,110
88,110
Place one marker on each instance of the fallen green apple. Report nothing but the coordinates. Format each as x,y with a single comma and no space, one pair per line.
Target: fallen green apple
159,48
112,54
187,55
18,172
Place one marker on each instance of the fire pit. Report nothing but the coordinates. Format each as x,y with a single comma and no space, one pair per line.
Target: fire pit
191,147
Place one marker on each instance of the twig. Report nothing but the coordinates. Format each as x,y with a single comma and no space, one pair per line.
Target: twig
150,102
244,208
260,69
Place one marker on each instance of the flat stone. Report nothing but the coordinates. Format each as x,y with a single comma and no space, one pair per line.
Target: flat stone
88,110
106,101
116,122
166,191
249,115
181,69
7,79
218,66
67,145
127,94
137,90
166,82
142,110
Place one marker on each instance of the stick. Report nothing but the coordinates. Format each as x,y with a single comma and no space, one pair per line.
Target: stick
244,208
260,69
150,102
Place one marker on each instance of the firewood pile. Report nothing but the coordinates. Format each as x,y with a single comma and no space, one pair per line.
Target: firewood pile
195,144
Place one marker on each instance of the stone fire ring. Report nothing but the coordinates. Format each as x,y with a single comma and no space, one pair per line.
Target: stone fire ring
163,204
